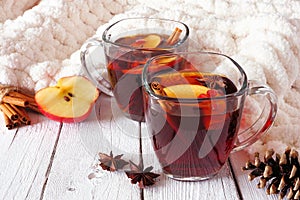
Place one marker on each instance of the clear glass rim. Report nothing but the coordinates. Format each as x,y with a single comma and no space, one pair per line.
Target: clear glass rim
104,35
240,92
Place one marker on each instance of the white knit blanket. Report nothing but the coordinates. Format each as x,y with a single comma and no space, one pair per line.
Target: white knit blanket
40,42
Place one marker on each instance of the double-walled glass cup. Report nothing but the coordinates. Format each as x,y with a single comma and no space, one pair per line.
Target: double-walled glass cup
194,103
115,59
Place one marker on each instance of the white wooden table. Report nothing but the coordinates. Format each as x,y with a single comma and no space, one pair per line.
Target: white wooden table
51,160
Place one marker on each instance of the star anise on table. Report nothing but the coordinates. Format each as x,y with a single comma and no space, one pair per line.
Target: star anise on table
112,163
144,177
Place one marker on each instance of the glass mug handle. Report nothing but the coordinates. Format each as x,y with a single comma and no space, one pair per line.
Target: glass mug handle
88,64
265,120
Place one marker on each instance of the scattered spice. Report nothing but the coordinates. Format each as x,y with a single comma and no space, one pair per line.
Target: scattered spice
137,173
280,175
144,177
111,163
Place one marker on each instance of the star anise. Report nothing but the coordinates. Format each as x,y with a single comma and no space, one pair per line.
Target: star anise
212,81
111,163
144,177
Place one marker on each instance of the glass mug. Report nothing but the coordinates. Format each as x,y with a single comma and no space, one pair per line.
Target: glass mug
115,61
193,108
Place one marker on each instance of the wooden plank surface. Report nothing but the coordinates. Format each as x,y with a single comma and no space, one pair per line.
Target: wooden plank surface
24,158
74,174
50,160
248,189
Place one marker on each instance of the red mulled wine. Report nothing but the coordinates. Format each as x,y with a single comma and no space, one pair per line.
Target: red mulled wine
125,69
193,138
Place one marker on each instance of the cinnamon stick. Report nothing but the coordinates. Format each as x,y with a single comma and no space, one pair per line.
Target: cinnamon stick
174,36
23,116
13,108
20,95
15,100
33,108
16,123
28,120
7,121
8,112
33,104
8,106
158,88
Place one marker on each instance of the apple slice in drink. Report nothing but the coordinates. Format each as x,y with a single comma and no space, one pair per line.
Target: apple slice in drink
150,41
162,63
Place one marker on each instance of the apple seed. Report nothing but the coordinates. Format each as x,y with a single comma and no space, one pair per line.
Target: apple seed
66,98
70,94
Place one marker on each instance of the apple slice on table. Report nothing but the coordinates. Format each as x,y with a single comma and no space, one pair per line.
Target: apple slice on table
70,100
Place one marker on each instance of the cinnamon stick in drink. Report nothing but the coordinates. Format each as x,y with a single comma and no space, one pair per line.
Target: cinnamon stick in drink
158,88
174,36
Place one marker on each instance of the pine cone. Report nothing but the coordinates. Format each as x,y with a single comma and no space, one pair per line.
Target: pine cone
280,175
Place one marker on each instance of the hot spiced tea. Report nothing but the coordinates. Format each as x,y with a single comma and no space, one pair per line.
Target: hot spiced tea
115,59
125,69
194,139
193,109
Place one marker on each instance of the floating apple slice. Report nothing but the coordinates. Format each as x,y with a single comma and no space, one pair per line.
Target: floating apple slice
167,60
150,41
71,100
164,62
185,91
